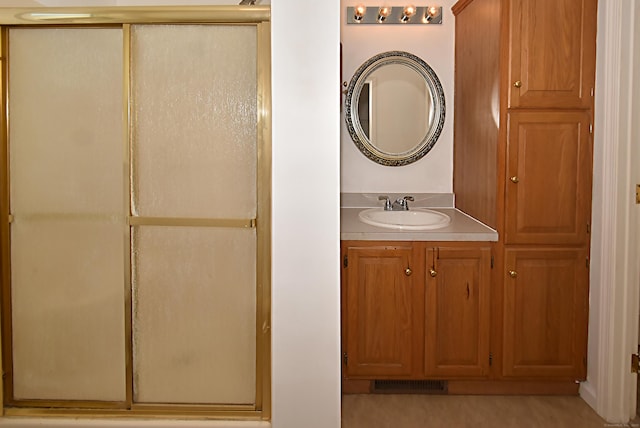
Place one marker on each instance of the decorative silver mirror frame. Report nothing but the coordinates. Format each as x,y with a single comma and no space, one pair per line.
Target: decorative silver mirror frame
352,116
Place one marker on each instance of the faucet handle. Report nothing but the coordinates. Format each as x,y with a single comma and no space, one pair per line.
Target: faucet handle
387,202
403,202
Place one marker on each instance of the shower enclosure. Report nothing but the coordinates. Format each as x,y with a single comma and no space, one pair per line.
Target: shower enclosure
136,192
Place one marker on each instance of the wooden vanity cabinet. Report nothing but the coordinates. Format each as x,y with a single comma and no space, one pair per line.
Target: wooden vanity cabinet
523,147
548,190
546,300
415,310
380,314
457,312
526,75
551,63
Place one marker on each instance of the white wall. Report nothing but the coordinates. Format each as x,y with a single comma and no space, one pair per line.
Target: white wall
614,279
435,45
306,285
306,159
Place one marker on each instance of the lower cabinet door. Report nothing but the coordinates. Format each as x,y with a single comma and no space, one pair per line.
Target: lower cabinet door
380,315
545,313
457,312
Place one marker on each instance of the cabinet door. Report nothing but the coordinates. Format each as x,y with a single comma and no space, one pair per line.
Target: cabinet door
457,312
545,313
552,53
379,312
548,185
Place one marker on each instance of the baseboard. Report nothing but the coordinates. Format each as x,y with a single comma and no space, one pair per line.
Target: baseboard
480,387
588,394
463,387
356,386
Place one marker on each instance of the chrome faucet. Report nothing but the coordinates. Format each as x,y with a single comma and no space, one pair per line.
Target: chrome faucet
387,202
401,204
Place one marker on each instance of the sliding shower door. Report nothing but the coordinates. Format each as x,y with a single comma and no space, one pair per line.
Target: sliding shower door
138,183
194,205
67,195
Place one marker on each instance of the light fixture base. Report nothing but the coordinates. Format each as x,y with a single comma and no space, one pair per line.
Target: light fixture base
422,16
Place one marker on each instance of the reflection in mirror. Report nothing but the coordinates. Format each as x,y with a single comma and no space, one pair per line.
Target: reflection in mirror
395,108
364,108
392,108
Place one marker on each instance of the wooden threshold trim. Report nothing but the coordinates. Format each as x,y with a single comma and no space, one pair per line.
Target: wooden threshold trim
226,412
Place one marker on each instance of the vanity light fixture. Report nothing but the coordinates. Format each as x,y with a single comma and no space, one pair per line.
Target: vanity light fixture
358,12
410,14
407,13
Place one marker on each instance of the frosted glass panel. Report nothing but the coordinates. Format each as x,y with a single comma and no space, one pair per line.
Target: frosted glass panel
67,197
195,137
194,315
68,316
66,136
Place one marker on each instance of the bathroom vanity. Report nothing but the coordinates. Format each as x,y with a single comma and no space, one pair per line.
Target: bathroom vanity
415,303
420,307
416,309
497,301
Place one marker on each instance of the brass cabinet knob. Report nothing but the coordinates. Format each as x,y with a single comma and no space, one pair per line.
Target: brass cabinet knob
518,84
408,271
513,274
432,272
514,179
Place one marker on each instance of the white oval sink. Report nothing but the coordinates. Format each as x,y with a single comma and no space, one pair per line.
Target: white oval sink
414,219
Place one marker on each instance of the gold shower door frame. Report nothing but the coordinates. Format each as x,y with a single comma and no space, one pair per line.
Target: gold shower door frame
124,17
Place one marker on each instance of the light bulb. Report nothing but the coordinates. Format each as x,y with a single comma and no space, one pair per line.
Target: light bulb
408,12
432,12
358,12
383,12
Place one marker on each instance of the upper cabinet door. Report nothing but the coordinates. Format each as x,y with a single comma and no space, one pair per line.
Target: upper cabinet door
552,53
548,186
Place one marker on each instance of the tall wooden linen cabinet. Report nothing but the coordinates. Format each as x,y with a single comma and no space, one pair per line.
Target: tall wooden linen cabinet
524,86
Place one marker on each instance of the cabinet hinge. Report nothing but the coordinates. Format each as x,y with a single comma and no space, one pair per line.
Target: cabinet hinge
492,262
345,358
588,262
591,128
588,228
592,92
345,261
490,359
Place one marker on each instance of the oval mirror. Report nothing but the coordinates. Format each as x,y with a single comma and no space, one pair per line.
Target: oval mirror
395,108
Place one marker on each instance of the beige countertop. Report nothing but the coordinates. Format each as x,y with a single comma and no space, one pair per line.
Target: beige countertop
462,227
